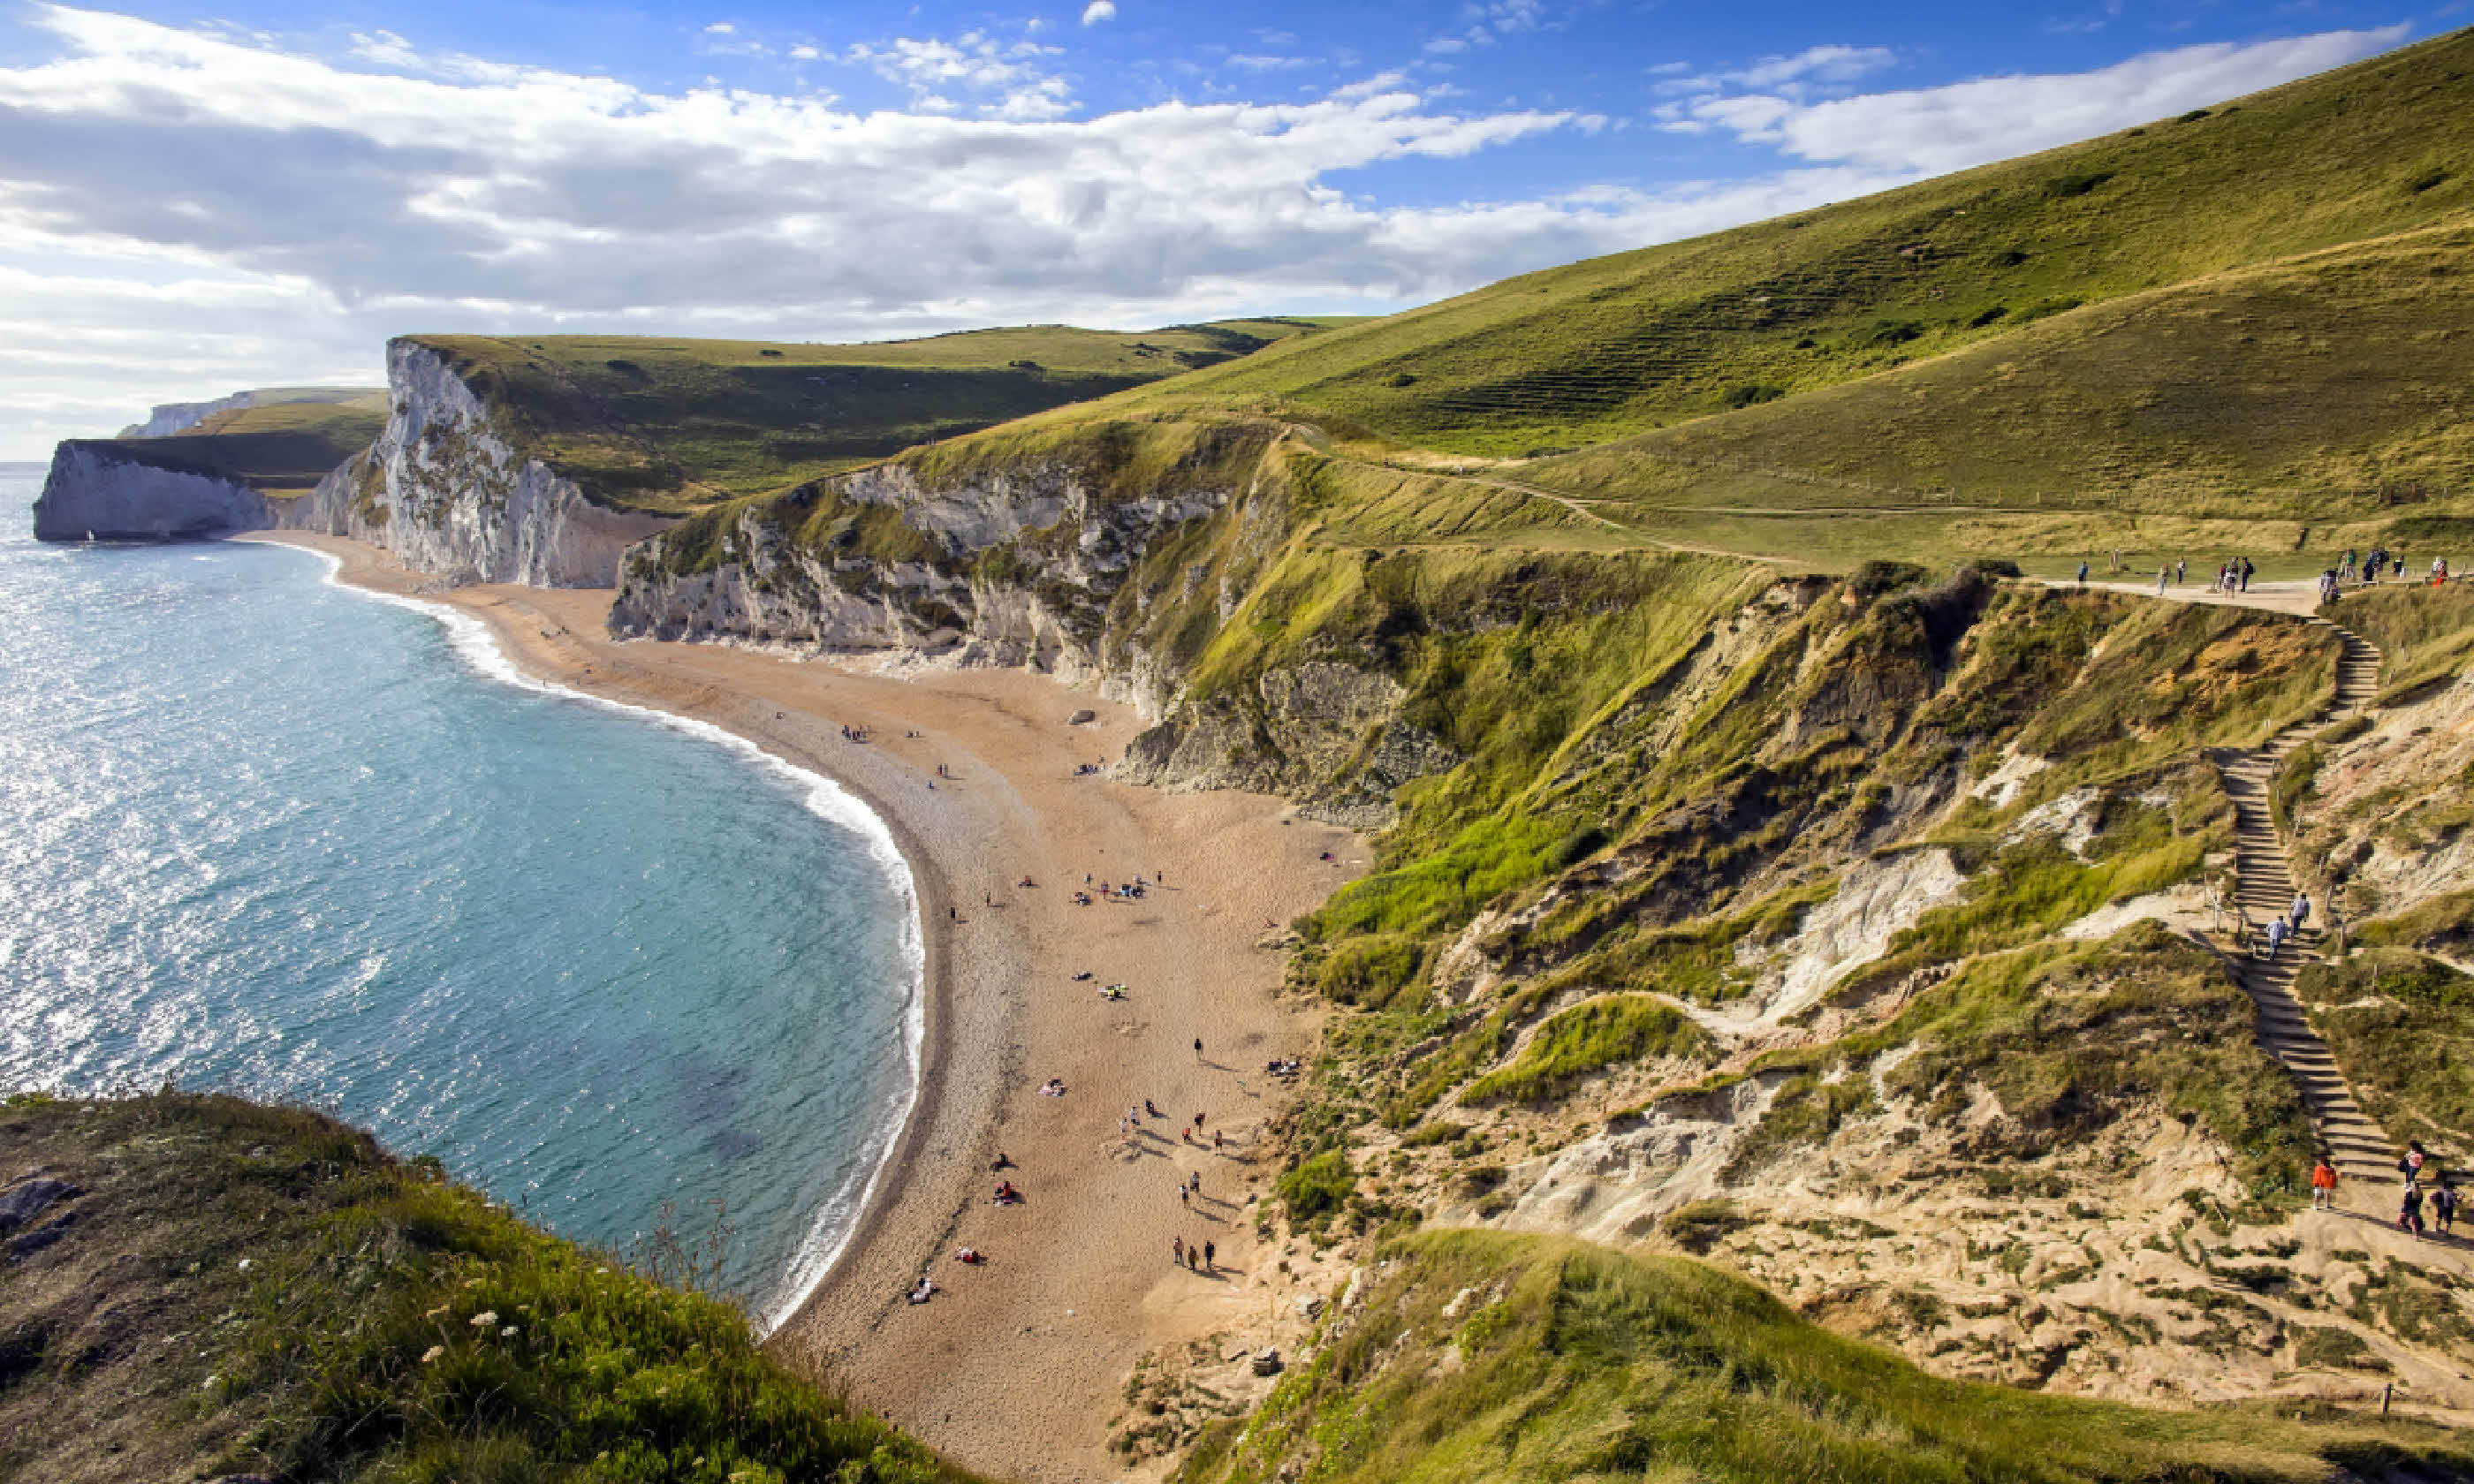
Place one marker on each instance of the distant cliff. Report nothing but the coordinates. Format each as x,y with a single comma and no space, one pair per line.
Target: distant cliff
451,486
102,491
166,418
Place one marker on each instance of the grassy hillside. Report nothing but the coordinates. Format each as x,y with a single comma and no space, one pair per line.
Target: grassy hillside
237,1290
1482,1355
673,423
282,448
1616,344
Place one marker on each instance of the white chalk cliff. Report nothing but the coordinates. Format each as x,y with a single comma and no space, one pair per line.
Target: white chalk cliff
102,492
448,488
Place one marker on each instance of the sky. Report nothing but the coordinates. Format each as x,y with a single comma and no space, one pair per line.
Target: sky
200,197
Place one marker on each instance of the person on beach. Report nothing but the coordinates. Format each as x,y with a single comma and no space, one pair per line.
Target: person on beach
2324,1185
1184,1197
1176,1251
1198,1048
1149,1109
1211,1254
1214,1140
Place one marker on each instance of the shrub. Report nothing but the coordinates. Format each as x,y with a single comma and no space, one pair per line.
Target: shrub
1318,1187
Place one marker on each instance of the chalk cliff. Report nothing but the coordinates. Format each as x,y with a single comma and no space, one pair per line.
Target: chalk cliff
97,490
448,487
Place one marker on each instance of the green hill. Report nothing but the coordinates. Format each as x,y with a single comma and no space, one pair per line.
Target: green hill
666,424
1618,345
1485,1356
281,448
226,1288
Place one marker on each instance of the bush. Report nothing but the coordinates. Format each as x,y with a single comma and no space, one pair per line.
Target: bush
1580,844
1318,1187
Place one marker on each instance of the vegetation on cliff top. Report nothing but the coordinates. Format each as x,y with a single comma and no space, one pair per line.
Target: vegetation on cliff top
1472,1354
242,1289
672,424
282,448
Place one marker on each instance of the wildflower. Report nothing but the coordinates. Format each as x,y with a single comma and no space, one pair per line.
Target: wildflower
484,1318
245,1262
508,1333
430,1355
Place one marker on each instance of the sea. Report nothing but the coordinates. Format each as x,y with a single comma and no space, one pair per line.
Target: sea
267,834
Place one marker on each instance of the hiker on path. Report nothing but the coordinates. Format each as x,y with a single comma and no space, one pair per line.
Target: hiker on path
2246,570
2413,1160
2443,1207
2275,938
2082,574
2410,1211
2324,1185
2160,579
2301,909
2181,572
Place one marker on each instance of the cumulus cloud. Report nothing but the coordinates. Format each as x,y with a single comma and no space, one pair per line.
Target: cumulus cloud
1099,11
1931,129
184,213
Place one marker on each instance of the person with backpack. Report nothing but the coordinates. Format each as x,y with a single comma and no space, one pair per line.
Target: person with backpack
2082,573
2275,938
2246,570
2410,1209
2443,1207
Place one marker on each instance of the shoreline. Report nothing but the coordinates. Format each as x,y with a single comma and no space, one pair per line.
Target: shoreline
1016,1366
484,647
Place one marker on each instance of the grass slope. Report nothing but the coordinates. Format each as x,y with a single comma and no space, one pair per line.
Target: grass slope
244,1289
281,448
1489,1355
669,424
1613,345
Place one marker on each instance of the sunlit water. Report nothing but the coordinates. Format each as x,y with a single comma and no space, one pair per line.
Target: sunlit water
264,833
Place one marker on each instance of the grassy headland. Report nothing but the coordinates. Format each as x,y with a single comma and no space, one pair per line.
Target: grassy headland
281,447
235,1288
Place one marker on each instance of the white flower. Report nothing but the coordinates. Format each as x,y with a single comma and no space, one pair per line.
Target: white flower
484,1318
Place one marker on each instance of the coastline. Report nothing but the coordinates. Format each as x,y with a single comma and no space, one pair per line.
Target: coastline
1017,1365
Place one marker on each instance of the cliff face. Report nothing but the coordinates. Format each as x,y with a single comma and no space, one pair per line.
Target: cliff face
166,418
96,491
448,488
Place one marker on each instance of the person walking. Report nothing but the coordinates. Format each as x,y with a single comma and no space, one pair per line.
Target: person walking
2082,573
2301,909
2181,572
2275,938
2160,579
1176,1251
2410,1209
2415,1160
2443,1207
1198,1048
2323,1185
1210,1256
2247,571
1184,1197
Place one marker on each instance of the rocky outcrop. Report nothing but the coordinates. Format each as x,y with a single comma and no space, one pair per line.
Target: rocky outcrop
1016,568
448,488
98,491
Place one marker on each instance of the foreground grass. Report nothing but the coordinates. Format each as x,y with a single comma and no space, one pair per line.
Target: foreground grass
263,1291
1503,1357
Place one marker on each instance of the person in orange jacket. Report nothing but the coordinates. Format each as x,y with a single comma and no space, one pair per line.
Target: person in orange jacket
2324,1185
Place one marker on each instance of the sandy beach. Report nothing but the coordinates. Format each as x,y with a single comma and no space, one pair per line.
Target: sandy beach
1017,1366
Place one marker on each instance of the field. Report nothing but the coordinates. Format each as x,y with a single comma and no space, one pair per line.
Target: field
673,424
281,448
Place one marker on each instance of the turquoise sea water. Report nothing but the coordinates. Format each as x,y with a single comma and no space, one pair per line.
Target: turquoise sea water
264,833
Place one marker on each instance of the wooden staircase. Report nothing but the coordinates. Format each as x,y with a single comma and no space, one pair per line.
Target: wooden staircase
2357,1145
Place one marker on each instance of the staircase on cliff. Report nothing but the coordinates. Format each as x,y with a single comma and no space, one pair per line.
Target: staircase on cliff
2357,1145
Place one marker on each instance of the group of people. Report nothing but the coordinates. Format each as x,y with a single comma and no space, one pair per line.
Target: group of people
2442,1199
2234,575
2285,927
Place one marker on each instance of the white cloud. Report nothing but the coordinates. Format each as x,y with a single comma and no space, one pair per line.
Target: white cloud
804,52
1931,130
1006,76
721,28
1099,11
184,213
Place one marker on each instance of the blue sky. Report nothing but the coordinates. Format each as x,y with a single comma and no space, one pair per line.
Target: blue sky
198,196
